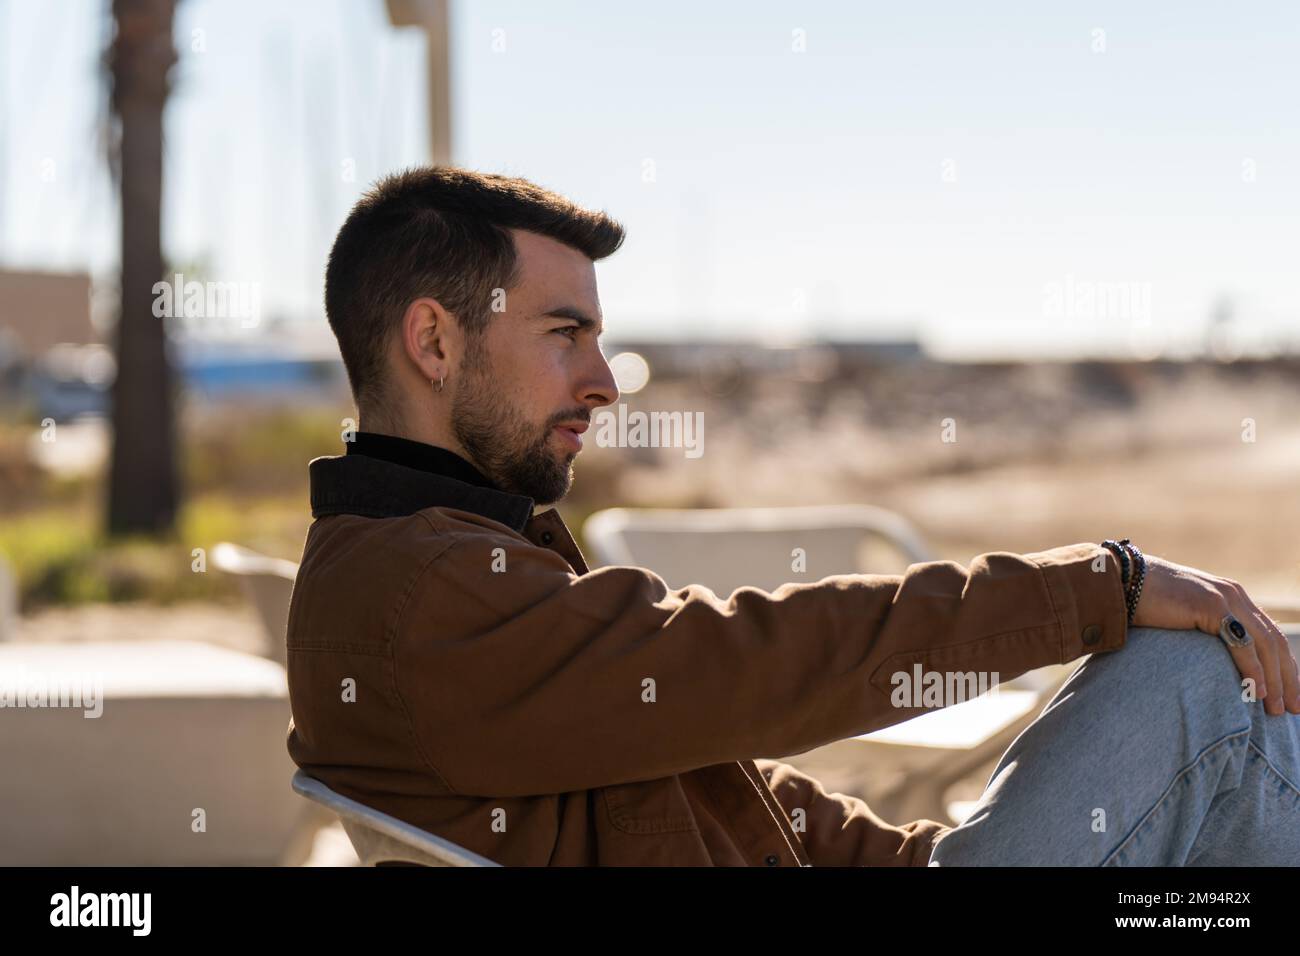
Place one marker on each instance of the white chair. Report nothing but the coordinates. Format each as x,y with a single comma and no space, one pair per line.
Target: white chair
726,548
161,753
268,585
912,764
384,840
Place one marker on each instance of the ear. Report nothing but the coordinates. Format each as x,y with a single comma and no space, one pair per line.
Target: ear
429,337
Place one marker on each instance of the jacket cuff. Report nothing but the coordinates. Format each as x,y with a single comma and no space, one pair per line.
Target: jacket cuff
1087,591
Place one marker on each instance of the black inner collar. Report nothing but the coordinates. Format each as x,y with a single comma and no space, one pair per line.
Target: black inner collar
417,454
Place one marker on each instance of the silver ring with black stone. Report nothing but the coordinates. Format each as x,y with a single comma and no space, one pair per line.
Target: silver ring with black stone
1233,632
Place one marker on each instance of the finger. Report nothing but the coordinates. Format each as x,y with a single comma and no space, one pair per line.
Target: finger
1290,671
1262,642
1245,658
1250,668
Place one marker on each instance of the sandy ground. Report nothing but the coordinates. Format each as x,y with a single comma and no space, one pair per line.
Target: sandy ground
1230,511
233,626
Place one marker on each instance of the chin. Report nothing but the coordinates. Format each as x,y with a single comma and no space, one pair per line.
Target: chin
558,491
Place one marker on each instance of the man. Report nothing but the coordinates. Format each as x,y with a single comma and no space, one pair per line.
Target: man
453,662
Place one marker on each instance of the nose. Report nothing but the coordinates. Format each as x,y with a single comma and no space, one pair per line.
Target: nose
599,386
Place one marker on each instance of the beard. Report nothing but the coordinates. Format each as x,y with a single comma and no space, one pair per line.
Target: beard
512,453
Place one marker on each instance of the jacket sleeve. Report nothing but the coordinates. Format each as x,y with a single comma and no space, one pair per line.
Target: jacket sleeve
520,677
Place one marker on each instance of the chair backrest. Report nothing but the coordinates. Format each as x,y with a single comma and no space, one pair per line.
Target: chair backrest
726,548
268,585
380,838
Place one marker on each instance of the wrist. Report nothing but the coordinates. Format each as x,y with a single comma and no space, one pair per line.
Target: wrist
1133,566
1139,578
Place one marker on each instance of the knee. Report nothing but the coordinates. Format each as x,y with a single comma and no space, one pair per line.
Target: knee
1181,654
1204,649
1189,671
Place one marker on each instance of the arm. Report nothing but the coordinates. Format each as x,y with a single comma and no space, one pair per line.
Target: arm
538,680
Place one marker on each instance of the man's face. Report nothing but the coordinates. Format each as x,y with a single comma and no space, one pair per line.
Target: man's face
538,367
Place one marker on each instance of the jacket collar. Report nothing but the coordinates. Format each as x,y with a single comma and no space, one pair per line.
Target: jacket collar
417,454
375,488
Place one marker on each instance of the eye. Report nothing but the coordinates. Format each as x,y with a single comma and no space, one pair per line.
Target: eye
571,331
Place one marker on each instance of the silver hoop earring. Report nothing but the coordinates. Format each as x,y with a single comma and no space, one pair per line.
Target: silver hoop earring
440,378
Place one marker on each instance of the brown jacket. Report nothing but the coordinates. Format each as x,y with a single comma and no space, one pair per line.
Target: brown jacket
453,662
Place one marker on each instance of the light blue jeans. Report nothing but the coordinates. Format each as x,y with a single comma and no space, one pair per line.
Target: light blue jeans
1147,756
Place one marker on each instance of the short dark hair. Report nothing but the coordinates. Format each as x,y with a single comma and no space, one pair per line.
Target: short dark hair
439,231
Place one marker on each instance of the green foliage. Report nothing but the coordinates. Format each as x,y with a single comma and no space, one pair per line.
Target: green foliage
60,556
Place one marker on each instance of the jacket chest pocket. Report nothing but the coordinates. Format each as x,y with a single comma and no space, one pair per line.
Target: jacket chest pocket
650,806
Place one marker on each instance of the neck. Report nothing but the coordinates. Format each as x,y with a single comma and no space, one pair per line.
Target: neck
416,427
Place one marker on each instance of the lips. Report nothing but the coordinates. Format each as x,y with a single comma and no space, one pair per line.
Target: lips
571,433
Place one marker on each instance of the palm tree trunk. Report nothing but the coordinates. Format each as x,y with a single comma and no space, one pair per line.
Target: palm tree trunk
143,479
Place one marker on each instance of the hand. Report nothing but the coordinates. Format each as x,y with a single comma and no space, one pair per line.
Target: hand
1178,597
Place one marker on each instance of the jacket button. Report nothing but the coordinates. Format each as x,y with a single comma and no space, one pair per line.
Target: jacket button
1091,634
772,859
547,537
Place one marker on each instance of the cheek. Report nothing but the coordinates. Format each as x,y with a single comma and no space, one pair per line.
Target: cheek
517,369
539,382
554,369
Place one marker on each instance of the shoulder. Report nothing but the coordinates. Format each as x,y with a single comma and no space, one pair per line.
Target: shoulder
465,536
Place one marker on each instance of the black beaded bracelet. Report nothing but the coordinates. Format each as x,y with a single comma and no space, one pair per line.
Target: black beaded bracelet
1139,576
1121,558
1133,571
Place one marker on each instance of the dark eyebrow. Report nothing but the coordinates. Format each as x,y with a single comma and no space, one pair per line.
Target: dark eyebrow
577,315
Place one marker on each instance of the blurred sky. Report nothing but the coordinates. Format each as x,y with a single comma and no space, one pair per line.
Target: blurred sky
794,194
